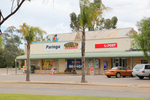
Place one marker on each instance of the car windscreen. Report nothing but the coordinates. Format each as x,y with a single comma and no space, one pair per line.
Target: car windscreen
114,68
138,67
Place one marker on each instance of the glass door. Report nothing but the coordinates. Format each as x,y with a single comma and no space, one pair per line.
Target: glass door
119,62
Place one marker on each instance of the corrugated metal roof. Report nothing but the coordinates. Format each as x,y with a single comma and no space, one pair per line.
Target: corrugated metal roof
102,34
87,55
112,33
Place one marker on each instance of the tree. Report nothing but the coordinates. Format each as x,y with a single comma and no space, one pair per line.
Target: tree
1,42
29,34
114,21
89,14
142,40
75,22
85,20
2,60
95,15
10,48
107,24
97,21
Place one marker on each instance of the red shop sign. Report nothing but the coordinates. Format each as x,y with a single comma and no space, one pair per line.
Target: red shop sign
106,45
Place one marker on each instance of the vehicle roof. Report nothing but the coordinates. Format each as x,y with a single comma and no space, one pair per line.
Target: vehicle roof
117,67
143,64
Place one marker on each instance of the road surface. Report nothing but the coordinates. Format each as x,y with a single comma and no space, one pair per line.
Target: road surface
75,90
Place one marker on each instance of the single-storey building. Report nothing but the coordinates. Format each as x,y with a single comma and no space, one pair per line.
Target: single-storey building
103,50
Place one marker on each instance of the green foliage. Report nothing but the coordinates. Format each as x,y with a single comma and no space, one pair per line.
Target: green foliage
114,21
1,42
30,33
2,60
107,24
142,40
10,49
91,17
85,12
75,22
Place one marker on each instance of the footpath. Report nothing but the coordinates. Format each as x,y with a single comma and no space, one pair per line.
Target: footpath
95,80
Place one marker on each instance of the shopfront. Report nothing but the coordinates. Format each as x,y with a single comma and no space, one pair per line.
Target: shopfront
103,50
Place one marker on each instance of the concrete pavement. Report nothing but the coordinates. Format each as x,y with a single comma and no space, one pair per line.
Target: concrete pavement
40,80
9,76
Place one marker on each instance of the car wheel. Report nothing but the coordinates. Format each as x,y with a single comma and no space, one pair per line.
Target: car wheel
118,75
141,77
124,76
108,76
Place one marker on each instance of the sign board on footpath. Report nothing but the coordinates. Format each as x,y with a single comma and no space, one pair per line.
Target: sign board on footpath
92,70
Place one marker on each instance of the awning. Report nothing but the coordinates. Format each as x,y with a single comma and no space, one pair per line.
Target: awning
87,55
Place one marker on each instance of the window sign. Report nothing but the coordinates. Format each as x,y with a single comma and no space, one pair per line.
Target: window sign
75,63
105,65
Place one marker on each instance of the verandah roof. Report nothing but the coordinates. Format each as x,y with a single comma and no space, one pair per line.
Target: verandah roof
87,55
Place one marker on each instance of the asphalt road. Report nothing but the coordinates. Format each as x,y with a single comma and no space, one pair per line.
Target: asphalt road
133,90
75,90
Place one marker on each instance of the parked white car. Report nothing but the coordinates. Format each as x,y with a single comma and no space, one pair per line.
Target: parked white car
141,70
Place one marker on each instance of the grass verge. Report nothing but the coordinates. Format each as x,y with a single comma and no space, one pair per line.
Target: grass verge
49,97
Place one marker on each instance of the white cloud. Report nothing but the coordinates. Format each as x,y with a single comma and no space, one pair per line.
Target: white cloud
128,12
54,16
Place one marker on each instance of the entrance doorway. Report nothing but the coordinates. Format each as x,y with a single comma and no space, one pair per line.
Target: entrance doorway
119,62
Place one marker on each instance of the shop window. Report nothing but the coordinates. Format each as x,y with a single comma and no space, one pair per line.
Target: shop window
144,62
119,62
48,64
90,63
97,63
77,63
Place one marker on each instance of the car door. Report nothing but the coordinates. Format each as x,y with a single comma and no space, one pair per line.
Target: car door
123,71
147,70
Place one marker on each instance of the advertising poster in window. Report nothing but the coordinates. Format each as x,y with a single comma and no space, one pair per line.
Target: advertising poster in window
97,63
48,64
75,63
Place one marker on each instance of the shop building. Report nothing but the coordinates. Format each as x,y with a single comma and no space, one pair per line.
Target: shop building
104,50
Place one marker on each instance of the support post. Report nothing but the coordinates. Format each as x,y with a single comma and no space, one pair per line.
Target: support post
15,67
132,62
58,65
94,66
45,66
